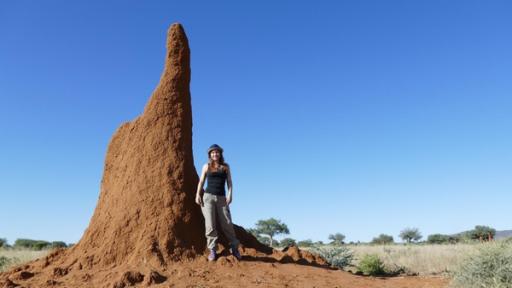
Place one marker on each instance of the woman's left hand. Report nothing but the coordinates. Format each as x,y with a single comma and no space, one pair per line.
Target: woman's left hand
228,200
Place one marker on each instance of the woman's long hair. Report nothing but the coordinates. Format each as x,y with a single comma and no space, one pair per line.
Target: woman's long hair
222,166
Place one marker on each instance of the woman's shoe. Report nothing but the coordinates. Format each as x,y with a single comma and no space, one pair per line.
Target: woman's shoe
236,253
212,256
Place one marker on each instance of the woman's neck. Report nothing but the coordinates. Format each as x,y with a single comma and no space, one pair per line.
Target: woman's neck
215,165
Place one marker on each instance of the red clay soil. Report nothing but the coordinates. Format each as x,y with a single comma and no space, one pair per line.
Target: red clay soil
255,270
146,229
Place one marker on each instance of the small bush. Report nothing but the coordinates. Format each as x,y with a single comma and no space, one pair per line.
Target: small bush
371,265
337,256
490,267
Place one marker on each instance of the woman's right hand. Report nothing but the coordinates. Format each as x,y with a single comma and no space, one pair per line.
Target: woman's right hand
199,200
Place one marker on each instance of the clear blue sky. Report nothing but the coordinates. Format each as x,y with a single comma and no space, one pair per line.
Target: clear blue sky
359,117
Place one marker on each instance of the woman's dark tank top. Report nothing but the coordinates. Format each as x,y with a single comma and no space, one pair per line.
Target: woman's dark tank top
216,182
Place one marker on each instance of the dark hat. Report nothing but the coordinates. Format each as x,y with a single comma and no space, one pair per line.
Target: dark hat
215,147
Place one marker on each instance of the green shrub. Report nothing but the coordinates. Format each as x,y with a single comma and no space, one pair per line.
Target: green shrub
371,265
337,256
3,242
490,267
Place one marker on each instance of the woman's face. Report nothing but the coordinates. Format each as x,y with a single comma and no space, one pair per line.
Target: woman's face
215,155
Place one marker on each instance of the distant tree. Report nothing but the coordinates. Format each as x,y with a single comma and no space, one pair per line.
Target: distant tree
410,234
337,239
288,242
41,244
441,239
270,228
24,243
305,243
58,244
3,242
319,243
253,232
482,233
383,239
31,244
261,239
266,241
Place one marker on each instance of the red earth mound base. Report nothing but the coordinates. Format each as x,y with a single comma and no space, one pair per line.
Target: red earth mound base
47,272
255,270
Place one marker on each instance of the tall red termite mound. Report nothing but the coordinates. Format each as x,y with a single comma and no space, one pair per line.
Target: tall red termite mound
146,210
146,217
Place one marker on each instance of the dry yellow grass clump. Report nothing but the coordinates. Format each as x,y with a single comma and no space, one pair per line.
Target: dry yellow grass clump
13,257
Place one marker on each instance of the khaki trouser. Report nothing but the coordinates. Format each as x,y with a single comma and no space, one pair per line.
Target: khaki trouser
215,208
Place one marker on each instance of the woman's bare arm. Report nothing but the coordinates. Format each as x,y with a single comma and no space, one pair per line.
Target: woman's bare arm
199,199
229,197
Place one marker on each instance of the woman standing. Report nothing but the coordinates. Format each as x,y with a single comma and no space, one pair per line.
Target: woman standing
215,203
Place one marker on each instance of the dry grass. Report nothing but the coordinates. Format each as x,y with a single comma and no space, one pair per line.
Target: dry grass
418,259
491,266
18,256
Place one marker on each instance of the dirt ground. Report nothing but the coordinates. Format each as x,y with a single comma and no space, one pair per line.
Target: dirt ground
225,272
230,273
